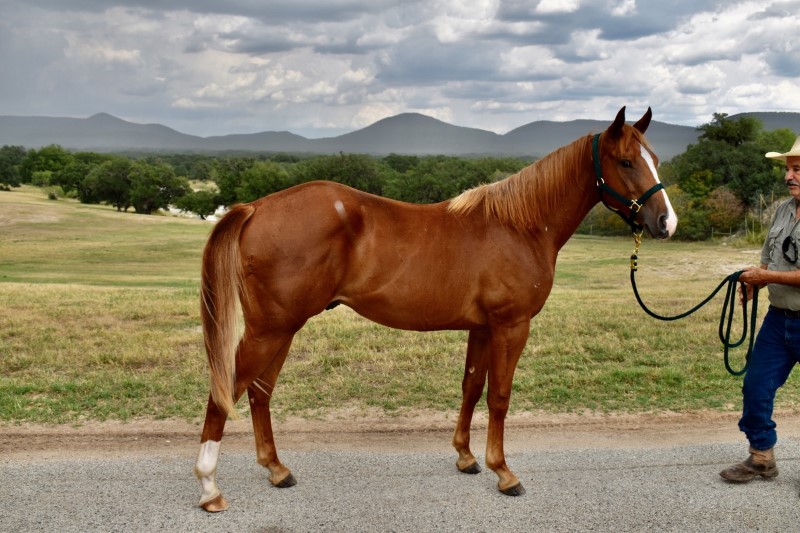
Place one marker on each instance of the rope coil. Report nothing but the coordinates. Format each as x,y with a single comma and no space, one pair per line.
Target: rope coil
726,317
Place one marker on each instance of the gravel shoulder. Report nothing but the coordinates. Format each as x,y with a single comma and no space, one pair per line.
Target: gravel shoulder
374,432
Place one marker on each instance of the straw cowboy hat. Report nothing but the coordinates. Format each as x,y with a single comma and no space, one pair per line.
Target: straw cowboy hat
795,151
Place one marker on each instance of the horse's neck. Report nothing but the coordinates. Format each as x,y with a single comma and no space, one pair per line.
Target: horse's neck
574,204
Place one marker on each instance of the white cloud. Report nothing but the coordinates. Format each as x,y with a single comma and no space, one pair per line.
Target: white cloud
623,8
557,6
701,79
322,67
453,21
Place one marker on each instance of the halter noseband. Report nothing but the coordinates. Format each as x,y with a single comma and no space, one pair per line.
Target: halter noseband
633,205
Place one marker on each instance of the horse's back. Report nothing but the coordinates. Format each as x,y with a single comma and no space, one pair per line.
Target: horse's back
324,210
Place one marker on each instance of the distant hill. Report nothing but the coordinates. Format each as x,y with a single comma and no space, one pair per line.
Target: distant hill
272,141
543,137
100,132
407,133
775,120
412,133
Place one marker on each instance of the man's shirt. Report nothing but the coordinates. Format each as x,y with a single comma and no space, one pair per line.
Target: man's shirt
783,225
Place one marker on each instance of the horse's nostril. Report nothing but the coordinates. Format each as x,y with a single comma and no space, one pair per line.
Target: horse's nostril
662,223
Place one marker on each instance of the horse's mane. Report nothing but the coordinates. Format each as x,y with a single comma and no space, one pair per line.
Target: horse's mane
524,199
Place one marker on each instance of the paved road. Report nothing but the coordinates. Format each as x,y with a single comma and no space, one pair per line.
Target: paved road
656,489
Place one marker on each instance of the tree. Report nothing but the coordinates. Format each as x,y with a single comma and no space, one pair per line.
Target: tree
693,225
401,163
358,171
725,210
438,178
261,179
69,177
780,140
201,203
200,170
11,158
420,187
750,175
109,182
42,178
227,174
728,153
155,186
51,158
733,132
699,183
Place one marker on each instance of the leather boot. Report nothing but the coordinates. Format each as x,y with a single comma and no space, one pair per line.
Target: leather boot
759,463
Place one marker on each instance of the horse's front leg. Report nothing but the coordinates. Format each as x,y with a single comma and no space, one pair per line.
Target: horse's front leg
471,388
507,344
206,466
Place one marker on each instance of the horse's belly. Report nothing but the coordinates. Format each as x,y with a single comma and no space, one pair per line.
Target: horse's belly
419,313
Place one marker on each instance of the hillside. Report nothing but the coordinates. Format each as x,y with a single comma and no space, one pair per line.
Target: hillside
413,134
407,133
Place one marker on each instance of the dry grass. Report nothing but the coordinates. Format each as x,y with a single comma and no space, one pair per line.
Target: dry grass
100,320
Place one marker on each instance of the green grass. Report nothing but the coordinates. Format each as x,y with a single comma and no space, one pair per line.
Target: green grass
99,320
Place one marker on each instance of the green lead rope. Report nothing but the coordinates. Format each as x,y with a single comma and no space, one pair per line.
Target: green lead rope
726,317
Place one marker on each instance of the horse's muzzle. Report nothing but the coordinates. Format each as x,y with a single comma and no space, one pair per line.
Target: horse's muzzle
665,226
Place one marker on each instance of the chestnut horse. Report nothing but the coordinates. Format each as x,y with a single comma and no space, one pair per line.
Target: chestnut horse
483,262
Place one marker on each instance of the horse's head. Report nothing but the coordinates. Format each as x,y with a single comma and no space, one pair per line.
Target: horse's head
627,179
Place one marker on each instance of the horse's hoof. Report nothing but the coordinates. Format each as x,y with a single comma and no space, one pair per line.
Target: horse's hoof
216,505
285,483
473,468
516,490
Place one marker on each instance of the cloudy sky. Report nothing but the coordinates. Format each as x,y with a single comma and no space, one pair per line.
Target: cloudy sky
325,67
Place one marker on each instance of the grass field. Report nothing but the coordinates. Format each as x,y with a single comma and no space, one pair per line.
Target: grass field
99,320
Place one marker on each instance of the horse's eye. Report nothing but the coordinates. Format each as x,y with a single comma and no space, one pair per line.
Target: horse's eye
625,163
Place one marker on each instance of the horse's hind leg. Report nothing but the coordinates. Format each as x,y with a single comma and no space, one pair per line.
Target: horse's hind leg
206,466
254,357
471,388
260,392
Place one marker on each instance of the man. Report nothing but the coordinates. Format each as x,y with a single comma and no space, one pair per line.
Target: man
777,346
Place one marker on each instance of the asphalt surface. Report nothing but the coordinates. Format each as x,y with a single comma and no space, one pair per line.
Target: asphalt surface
671,488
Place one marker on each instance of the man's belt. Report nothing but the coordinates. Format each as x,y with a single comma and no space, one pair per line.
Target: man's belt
786,312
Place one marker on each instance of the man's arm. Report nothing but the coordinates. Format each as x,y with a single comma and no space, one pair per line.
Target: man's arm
761,276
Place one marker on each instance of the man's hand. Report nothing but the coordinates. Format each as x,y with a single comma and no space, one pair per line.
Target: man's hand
752,277
755,276
746,295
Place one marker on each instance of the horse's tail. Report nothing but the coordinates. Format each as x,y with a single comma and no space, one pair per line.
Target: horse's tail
221,288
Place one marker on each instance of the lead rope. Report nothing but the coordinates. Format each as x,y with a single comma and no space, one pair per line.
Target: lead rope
726,317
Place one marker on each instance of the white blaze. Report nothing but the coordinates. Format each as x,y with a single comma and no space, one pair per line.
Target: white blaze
672,218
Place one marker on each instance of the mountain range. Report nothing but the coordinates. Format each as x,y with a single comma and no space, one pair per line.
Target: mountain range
407,133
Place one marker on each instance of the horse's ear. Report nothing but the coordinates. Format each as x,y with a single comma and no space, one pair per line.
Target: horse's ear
643,122
615,129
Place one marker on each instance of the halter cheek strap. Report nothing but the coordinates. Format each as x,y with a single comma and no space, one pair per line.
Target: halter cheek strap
633,205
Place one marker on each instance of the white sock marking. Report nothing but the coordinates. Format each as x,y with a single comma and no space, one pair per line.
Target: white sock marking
205,468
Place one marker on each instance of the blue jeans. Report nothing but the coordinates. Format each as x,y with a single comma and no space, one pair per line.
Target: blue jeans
776,351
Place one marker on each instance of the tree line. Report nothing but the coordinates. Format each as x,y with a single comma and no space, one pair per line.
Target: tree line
149,183
717,183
